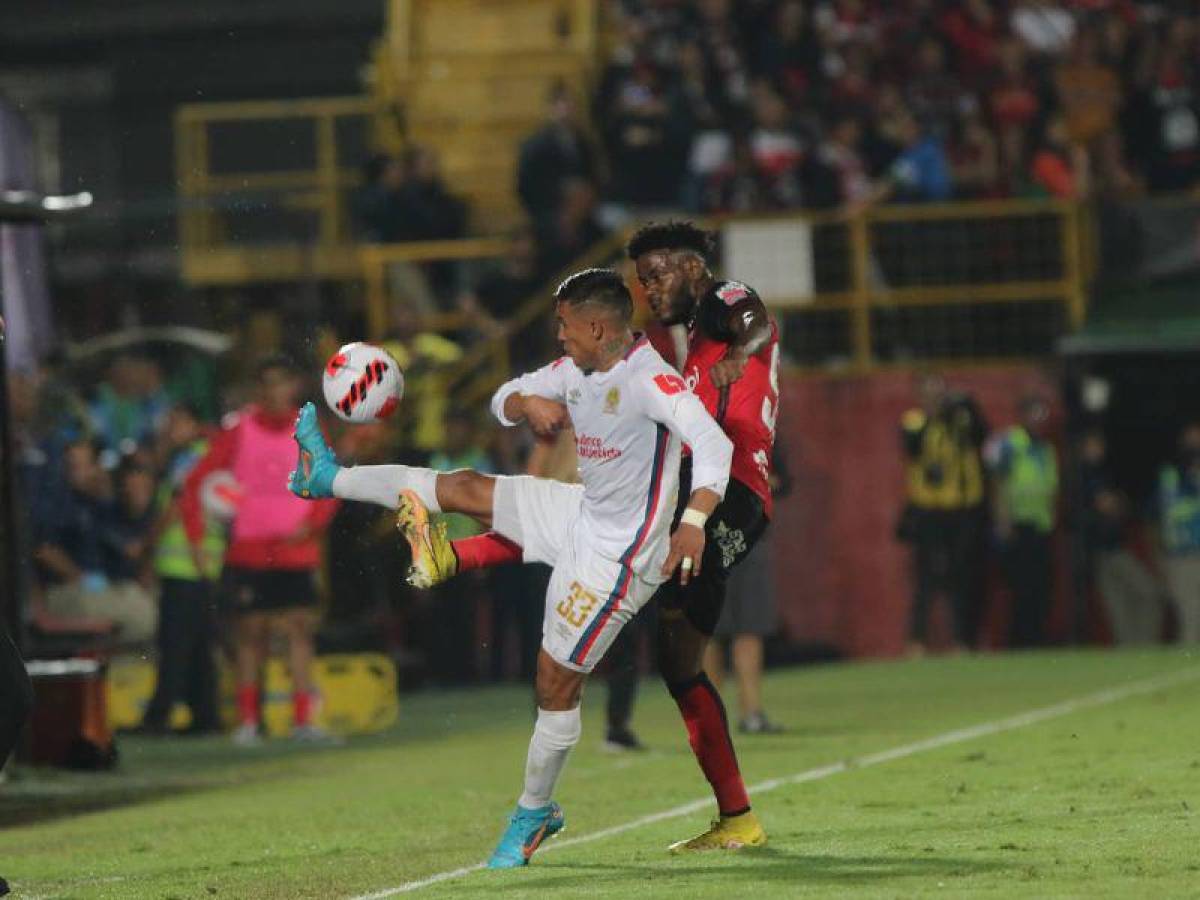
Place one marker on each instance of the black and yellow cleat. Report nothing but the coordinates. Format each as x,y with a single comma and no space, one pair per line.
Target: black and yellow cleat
433,558
726,833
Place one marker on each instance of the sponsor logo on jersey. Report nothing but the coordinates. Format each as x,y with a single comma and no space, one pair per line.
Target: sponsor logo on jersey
611,401
733,292
589,447
670,384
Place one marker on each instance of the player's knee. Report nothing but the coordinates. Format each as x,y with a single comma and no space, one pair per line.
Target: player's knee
558,689
465,491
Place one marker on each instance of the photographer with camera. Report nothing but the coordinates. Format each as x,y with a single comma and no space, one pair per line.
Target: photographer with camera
942,442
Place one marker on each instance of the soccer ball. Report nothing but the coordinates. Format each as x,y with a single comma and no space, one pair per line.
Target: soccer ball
363,383
220,495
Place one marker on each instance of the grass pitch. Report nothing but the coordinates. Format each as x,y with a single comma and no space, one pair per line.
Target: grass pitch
1099,800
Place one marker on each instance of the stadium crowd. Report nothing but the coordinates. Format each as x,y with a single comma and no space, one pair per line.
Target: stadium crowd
717,106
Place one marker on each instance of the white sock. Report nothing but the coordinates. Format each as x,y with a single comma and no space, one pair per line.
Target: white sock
555,733
383,484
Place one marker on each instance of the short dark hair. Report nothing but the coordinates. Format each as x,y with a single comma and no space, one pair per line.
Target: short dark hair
605,287
670,235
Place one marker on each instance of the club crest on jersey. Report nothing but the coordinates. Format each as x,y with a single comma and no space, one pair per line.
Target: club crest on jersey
733,292
611,401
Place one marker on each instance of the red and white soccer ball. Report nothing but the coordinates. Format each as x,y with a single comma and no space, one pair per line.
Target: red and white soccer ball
362,383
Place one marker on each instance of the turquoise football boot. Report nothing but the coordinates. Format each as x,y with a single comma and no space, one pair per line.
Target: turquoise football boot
526,830
317,466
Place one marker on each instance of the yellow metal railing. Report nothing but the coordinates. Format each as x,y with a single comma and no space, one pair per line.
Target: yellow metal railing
485,366
375,259
209,194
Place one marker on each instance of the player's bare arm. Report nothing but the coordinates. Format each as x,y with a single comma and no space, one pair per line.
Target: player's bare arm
545,417
751,327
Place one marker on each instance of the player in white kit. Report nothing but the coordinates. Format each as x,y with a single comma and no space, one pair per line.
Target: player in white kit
608,539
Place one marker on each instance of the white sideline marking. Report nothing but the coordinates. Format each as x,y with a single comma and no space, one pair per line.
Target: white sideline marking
957,736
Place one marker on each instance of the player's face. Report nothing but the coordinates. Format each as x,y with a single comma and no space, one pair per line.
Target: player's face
576,332
664,278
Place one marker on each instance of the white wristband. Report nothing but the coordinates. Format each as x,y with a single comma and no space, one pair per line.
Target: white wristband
693,517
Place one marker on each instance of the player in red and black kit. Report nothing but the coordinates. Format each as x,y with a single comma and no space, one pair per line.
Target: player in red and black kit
732,364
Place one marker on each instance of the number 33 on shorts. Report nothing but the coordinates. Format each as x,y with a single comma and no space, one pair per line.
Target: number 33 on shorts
577,605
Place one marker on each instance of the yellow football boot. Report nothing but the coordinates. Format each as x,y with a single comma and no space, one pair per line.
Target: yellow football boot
726,833
433,558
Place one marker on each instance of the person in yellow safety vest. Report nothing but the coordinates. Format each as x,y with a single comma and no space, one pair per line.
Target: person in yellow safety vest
1179,515
187,606
1024,502
944,518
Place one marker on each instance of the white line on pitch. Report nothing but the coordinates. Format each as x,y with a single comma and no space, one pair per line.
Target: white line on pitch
1020,720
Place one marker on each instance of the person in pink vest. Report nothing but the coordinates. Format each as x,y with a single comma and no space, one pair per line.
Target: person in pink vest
269,576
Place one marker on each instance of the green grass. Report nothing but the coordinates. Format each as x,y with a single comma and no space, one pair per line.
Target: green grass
1101,802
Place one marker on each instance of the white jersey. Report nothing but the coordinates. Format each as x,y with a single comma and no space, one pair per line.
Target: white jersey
630,423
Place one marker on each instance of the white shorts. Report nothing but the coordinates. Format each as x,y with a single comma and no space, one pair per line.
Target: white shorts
590,598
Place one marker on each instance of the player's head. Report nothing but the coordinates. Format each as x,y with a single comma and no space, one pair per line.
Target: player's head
593,311
672,266
278,384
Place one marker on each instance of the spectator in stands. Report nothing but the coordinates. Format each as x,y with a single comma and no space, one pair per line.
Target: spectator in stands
1024,504
70,549
431,213
974,159
274,549
935,95
1058,168
187,601
572,231
557,152
1179,518
973,30
1089,94
499,292
1162,121
428,210
645,148
128,533
1131,595
789,53
841,177
376,205
130,404
921,173
942,440
1015,102
776,147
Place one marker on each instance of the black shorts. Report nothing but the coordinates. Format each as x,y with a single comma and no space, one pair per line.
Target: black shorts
267,590
734,527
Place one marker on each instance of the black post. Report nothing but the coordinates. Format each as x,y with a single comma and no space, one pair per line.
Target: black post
10,571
